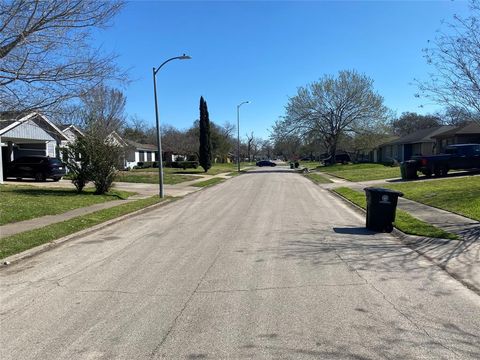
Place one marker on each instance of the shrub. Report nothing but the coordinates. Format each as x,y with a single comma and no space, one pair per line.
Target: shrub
185,164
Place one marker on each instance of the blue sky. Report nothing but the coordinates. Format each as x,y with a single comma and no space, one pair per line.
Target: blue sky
263,51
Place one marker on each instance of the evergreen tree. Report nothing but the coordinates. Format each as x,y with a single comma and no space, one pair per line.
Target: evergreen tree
205,150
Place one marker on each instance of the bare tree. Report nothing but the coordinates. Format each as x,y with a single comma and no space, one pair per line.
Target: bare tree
45,52
455,56
228,129
250,144
103,110
330,107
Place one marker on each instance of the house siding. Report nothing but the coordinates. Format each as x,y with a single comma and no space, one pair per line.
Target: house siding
28,131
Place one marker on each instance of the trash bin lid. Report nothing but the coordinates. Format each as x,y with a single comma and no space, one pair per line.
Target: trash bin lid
383,190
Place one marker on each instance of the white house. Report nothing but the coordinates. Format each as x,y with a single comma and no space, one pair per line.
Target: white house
136,152
27,134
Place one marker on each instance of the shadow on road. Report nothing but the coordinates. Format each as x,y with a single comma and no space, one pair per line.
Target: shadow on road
392,340
354,231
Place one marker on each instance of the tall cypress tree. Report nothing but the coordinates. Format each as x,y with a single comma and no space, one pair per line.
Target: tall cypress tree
205,150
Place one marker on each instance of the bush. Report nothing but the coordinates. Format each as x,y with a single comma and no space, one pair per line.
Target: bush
146,165
186,164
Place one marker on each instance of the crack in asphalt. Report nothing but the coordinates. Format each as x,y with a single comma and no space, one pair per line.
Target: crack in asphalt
170,329
405,316
279,288
187,302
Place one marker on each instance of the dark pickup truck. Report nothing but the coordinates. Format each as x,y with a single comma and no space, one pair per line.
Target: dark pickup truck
456,157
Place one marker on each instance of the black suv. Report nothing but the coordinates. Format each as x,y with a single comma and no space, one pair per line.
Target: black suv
38,167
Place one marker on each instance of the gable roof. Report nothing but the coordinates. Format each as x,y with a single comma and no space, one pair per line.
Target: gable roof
10,120
116,137
421,136
65,127
472,128
139,146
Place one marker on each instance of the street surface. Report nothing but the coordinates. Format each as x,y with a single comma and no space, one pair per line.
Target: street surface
266,265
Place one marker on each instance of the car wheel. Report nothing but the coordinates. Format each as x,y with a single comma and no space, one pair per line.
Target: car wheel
39,176
441,171
56,179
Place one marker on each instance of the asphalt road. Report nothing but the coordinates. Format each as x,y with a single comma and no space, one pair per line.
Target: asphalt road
266,265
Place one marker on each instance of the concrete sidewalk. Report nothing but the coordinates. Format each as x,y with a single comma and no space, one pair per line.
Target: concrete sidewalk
460,258
143,191
36,223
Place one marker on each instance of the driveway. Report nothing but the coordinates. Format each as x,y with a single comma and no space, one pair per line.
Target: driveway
266,265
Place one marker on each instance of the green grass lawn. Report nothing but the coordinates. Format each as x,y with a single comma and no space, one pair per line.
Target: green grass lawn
19,202
459,195
361,172
310,164
23,241
214,170
151,177
317,178
208,182
403,220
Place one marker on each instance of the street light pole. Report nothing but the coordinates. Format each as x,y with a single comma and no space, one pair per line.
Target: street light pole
159,138
238,132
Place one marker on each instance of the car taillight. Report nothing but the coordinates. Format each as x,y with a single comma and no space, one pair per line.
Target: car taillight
424,162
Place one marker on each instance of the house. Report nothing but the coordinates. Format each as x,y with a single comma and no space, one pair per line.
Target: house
466,134
27,134
421,142
71,132
136,152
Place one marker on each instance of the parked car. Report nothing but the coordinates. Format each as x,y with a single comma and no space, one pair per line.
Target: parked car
455,157
37,167
339,159
266,163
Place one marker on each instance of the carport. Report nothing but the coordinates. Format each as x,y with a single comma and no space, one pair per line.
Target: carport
32,134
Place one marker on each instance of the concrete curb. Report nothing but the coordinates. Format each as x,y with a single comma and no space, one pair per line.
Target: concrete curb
411,241
55,243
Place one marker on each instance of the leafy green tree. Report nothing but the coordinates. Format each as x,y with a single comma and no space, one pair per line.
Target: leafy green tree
409,122
205,149
78,163
331,107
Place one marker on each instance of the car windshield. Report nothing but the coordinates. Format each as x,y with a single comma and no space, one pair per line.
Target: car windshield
55,162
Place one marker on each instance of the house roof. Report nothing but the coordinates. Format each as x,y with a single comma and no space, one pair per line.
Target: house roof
13,115
10,120
472,128
64,127
6,123
421,136
139,146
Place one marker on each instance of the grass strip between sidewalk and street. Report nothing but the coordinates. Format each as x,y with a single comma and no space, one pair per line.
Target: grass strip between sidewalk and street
403,220
209,182
152,177
17,243
317,178
458,195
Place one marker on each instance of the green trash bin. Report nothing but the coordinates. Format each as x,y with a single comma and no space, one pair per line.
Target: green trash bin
381,208
403,172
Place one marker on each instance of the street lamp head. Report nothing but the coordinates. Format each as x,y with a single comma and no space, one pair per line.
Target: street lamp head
184,57
245,102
